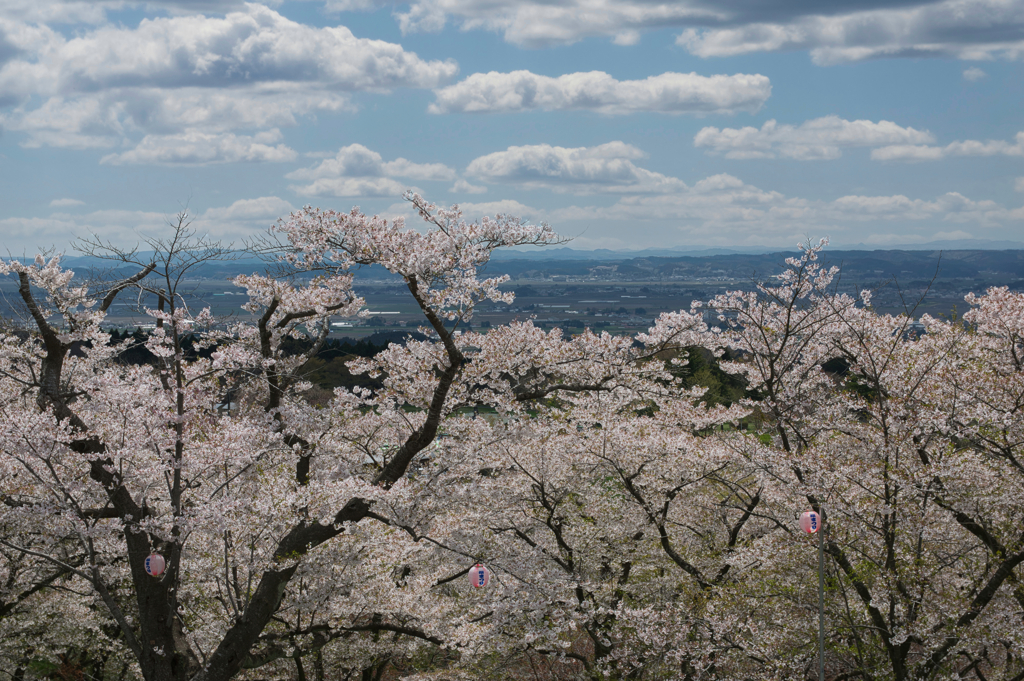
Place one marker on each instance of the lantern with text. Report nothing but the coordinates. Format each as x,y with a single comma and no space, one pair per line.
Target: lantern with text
155,564
479,576
810,521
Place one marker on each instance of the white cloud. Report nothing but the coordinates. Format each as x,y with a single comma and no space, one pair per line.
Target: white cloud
955,234
352,161
402,167
581,170
57,11
839,31
358,171
252,69
121,227
598,91
476,211
199,148
951,207
845,31
537,23
715,200
33,234
974,74
256,45
348,5
470,211
63,203
109,118
913,153
265,208
126,228
907,152
716,210
223,110
463,187
627,37
356,160
724,210
352,187
821,138
82,123
964,29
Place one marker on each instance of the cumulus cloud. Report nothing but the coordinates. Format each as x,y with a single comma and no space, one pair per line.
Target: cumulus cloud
470,211
974,74
351,186
223,110
721,199
724,210
77,124
120,227
538,24
964,29
402,167
716,210
106,119
358,171
252,69
200,148
256,45
263,209
60,11
821,138
241,219
581,170
463,187
351,161
34,234
912,153
66,203
907,152
844,31
951,206
841,31
476,211
598,91
356,160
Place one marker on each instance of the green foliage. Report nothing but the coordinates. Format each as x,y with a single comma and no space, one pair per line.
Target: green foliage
333,373
703,369
328,370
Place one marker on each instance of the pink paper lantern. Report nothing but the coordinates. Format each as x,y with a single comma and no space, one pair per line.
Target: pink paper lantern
155,564
810,521
479,576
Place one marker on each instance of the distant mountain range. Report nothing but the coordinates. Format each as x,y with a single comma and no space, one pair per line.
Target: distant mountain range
566,253
952,244
959,259
989,265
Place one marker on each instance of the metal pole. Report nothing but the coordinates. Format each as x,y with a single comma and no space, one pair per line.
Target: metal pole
821,594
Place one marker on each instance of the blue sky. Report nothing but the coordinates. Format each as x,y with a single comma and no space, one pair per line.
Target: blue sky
623,123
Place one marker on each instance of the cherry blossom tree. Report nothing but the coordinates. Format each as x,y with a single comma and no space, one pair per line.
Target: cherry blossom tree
634,529
907,446
127,461
659,546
